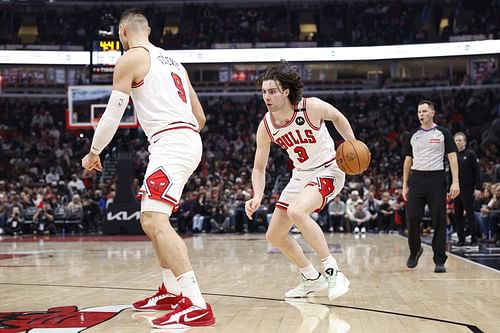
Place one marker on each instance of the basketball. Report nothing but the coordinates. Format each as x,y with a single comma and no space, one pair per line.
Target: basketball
353,157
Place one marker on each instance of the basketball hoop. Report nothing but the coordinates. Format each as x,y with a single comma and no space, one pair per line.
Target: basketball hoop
87,104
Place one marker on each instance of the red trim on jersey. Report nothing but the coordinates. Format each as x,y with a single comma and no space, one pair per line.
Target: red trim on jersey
168,199
268,130
137,84
174,128
139,194
285,125
140,83
282,205
310,122
167,202
182,122
176,208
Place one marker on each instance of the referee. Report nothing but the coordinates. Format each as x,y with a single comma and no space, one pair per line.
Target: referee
424,182
470,187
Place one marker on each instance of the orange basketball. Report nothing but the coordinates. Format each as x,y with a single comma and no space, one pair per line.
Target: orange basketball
353,157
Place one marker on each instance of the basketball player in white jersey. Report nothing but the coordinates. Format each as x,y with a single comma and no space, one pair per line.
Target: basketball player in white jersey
171,116
297,125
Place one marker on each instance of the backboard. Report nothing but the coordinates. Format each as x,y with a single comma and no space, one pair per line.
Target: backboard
86,104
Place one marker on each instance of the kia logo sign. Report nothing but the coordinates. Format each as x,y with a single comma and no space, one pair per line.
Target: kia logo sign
123,216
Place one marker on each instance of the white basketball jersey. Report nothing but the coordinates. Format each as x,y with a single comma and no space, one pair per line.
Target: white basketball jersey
162,100
307,146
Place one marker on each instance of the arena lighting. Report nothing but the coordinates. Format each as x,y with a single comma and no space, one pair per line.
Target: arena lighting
31,57
360,53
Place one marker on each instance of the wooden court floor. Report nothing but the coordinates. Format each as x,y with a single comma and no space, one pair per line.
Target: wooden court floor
48,285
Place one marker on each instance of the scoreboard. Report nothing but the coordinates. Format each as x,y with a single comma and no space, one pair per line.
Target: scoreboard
105,53
107,45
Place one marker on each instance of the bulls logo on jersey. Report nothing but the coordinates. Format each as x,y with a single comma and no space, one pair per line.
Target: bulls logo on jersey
64,319
300,121
326,186
157,185
158,182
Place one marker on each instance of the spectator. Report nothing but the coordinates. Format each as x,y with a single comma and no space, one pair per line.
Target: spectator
490,215
14,202
15,222
199,210
75,185
142,154
350,208
386,214
3,211
43,220
336,213
372,205
92,216
360,218
51,177
219,220
75,207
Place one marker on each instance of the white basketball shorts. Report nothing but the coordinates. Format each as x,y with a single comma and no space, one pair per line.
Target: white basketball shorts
328,179
174,155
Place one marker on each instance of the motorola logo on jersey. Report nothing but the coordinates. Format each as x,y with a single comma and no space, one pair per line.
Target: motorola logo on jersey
300,121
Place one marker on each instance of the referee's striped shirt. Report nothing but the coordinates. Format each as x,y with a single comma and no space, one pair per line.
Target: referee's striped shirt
428,148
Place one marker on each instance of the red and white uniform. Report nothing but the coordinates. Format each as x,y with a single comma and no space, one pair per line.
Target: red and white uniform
164,112
312,151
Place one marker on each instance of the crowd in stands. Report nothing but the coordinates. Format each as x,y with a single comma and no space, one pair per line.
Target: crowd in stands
41,179
203,25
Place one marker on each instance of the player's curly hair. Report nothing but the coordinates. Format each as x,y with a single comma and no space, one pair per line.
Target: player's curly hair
287,76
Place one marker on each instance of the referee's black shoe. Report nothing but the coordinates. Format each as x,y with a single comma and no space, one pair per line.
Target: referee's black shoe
413,260
439,268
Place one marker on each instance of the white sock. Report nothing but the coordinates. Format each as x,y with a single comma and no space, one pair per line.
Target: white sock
170,282
329,262
309,272
190,289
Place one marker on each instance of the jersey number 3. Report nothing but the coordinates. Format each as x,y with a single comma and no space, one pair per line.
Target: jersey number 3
301,154
180,87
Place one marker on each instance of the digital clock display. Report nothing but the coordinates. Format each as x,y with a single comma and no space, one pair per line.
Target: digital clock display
107,45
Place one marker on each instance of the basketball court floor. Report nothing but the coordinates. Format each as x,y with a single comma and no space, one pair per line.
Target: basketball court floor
76,283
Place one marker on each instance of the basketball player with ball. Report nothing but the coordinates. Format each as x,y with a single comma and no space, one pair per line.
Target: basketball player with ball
297,125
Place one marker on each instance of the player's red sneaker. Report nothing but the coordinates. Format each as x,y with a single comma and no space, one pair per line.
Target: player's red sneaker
162,300
186,315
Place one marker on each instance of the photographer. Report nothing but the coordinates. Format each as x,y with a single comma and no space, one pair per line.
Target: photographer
43,220
14,225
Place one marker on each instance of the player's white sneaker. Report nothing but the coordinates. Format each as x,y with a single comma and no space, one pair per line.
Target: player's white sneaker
338,284
307,286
